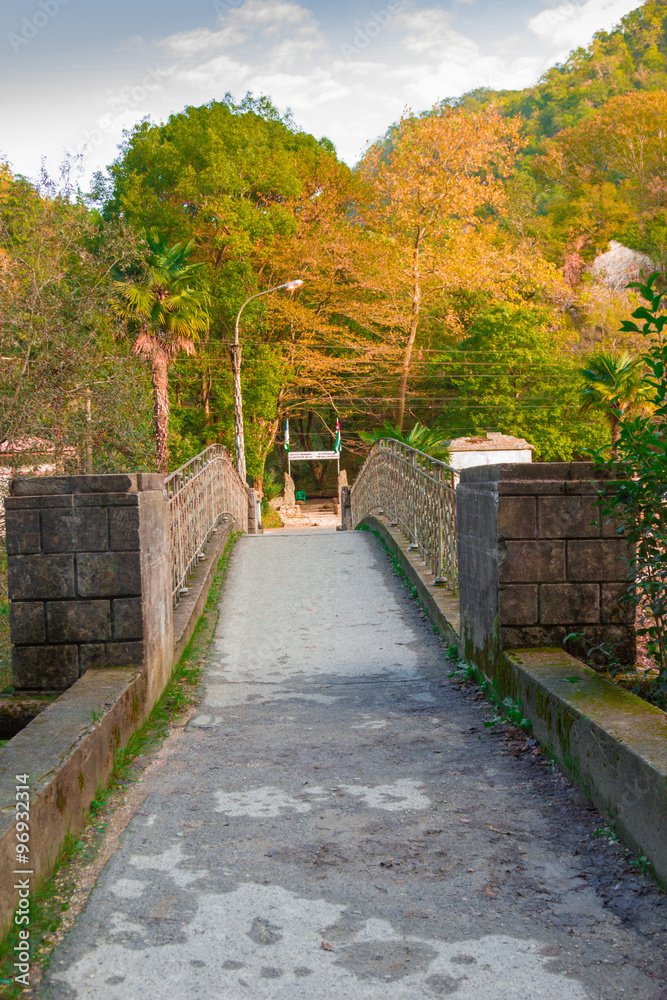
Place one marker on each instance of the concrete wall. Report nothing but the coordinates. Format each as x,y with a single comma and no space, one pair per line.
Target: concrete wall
536,564
88,578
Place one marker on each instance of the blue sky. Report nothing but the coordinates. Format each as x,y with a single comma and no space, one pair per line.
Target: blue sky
75,73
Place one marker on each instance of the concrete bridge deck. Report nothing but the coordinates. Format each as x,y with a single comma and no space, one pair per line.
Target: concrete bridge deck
335,823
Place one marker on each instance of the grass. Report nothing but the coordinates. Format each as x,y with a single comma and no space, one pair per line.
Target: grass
271,518
5,649
51,901
506,710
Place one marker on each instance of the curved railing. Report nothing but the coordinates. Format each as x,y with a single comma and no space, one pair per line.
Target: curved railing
203,492
418,493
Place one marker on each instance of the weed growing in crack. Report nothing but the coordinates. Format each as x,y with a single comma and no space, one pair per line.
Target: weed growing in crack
507,709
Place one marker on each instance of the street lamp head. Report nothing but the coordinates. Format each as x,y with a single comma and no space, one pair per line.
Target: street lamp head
292,286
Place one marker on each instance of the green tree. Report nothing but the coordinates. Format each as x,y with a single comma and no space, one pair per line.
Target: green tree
426,439
635,496
70,393
249,189
166,311
516,372
614,385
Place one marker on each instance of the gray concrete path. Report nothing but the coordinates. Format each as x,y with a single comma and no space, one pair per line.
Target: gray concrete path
336,823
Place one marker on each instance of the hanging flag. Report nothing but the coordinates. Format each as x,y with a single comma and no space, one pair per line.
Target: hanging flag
338,443
287,434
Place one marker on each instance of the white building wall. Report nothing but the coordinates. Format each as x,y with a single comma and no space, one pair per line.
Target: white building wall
468,459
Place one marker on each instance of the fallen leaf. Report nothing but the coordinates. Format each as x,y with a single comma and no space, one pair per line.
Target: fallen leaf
508,833
327,947
488,890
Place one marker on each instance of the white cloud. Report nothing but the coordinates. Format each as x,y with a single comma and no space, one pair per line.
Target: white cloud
569,25
346,79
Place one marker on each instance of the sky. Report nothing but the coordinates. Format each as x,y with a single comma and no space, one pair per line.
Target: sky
75,73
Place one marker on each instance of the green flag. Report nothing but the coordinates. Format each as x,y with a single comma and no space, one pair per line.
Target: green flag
338,443
287,434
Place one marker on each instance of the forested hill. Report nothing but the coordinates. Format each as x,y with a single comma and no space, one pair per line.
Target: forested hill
632,57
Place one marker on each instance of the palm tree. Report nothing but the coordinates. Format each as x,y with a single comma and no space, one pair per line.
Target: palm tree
420,437
614,383
166,311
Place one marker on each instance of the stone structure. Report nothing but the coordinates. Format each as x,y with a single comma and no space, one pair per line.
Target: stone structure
342,482
535,564
89,575
493,449
289,491
620,265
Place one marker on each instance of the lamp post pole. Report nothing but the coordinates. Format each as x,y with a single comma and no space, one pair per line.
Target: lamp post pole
235,357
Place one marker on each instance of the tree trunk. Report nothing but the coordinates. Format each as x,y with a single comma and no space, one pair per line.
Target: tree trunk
89,433
412,333
206,388
615,432
160,380
239,438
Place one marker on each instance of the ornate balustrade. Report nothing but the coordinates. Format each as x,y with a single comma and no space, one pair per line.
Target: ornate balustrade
204,491
418,493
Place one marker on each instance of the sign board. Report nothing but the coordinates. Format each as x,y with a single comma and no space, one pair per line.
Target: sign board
310,456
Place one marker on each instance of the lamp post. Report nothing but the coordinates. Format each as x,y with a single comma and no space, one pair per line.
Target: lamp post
235,356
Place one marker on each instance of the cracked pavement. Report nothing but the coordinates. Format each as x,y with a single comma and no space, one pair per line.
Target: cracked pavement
335,822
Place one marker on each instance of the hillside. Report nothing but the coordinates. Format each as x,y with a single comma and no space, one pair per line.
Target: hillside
630,58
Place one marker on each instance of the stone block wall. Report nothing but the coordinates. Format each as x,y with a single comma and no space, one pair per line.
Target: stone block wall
535,561
86,557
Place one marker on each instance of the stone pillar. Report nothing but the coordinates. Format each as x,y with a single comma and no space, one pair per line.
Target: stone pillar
289,492
89,578
345,509
535,564
253,527
342,481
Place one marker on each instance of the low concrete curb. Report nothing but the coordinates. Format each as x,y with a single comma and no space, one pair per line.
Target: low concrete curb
68,756
68,750
612,744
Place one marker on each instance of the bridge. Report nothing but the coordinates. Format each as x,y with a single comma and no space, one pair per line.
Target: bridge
337,820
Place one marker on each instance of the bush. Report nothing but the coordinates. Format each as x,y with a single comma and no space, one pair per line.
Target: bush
637,495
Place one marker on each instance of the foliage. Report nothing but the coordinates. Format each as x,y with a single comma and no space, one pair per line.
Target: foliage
636,494
68,391
630,57
272,487
426,190
613,385
166,309
598,654
264,202
506,709
516,372
606,176
579,182
425,439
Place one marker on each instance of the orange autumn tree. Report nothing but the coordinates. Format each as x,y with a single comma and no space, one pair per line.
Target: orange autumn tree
607,176
430,184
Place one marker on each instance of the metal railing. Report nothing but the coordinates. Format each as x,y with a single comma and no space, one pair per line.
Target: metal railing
418,493
204,491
